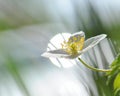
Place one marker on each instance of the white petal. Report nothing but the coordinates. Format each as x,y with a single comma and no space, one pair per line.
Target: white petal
81,33
60,53
91,42
58,39
63,62
77,35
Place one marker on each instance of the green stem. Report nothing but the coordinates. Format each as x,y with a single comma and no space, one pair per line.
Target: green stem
93,68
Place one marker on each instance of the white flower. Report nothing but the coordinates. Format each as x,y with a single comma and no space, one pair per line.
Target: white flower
63,48
70,46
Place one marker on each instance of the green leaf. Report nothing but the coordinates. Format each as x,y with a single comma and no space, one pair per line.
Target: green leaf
116,62
115,66
117,92
114,76
117,82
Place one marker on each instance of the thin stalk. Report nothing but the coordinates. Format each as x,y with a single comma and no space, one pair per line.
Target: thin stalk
93,68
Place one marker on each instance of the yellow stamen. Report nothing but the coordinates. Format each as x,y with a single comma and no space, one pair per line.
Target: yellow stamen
74,45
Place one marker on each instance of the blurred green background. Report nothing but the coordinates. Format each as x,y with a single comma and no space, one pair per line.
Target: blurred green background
26,26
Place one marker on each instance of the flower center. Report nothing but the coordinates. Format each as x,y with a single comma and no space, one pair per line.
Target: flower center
73,45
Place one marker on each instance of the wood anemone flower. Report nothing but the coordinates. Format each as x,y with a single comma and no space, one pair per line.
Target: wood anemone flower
71,46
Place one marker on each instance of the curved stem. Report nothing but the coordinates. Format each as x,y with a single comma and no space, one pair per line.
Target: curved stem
93,68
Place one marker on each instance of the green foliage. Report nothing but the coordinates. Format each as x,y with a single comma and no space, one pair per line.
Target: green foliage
117,85
114,76
5,25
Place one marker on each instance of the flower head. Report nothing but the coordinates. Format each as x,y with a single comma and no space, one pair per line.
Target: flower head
72,45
